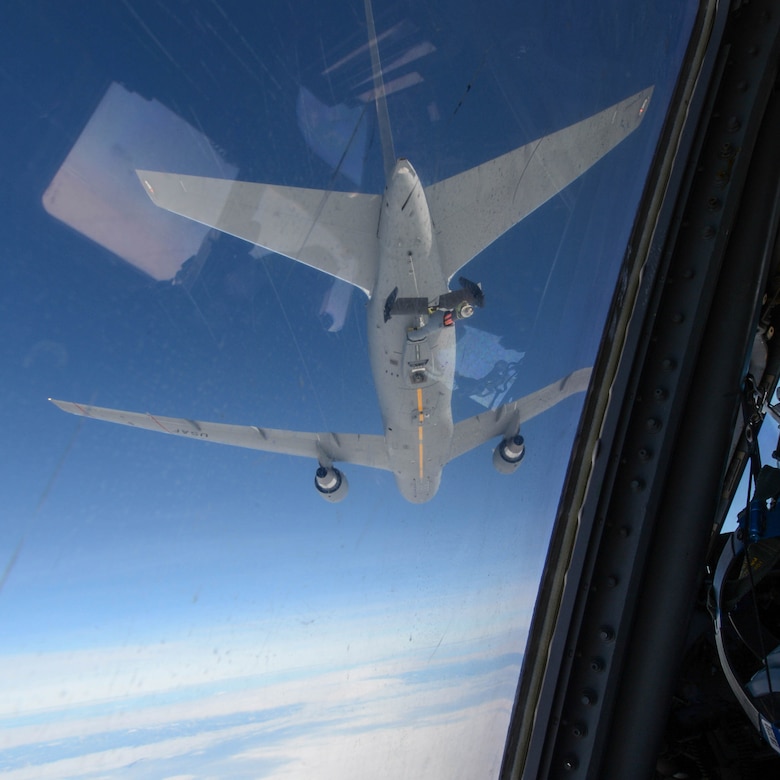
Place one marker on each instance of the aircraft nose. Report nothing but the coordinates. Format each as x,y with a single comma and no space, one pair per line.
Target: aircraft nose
419,491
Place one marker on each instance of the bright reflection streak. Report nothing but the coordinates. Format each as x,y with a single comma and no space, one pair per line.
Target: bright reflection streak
96,191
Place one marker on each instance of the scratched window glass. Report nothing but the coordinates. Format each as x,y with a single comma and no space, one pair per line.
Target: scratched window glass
316,289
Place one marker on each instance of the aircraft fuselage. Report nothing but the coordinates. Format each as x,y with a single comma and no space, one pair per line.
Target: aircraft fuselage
412,355
387,246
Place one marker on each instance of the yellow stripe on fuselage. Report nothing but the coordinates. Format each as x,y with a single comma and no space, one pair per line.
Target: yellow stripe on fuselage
420,426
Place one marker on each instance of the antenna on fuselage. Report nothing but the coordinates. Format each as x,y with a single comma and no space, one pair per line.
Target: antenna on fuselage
383,117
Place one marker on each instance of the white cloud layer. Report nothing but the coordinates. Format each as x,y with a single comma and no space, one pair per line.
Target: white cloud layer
433,711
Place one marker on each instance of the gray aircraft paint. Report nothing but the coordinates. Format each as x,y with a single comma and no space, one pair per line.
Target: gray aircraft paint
408,242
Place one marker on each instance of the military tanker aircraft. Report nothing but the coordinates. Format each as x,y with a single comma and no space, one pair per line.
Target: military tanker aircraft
402,248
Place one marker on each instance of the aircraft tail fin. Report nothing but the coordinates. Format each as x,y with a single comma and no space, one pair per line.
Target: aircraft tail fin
331,231
472,209
380,97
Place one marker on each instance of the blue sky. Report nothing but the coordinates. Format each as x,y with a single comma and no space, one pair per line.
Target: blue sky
150,581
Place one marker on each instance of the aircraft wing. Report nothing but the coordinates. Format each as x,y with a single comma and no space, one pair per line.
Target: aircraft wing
472,209
332,231
362,450
506,419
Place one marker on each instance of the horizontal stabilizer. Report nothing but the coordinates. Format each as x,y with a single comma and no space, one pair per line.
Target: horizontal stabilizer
362,450
472,209
507,419
334,232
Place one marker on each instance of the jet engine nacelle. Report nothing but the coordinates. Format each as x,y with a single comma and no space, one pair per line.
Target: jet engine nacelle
509,454
331,484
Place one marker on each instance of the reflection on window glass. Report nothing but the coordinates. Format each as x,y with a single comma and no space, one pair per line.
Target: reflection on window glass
270,218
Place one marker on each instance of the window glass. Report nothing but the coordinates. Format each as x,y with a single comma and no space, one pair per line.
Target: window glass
176,608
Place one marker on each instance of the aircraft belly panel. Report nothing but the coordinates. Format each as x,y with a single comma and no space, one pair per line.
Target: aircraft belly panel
409,258
419,441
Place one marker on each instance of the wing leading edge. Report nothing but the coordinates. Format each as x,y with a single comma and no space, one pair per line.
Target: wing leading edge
327,448
472,209
507,419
